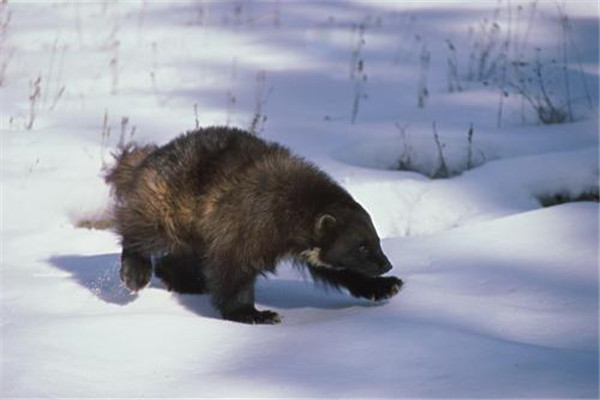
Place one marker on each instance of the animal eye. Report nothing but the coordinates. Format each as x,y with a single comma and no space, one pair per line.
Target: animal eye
363,249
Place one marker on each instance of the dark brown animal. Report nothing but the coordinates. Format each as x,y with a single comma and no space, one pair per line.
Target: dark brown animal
217,206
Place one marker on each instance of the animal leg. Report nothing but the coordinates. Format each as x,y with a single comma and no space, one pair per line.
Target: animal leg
136,269
181,272
233,296
372,288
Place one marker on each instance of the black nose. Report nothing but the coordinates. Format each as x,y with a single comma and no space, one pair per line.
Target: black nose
386,266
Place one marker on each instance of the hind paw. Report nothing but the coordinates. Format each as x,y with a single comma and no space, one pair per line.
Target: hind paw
135,274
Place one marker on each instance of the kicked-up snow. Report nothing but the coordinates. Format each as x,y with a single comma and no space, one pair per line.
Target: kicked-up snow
501,294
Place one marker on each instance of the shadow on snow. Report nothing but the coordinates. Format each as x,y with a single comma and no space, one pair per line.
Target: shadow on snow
100,275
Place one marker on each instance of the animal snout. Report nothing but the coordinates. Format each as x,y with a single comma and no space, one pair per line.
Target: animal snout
385,266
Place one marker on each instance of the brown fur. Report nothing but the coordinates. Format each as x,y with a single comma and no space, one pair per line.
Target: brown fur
128,160
224,206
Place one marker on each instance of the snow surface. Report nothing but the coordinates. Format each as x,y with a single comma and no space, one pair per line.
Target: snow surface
501,295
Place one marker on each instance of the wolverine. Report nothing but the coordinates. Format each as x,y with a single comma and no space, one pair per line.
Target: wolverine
216,207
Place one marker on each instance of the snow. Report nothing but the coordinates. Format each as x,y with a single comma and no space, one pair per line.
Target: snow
500,297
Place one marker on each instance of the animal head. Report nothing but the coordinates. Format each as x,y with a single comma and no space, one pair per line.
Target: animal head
345,238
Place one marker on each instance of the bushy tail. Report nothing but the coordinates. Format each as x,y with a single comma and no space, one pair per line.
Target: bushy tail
127,159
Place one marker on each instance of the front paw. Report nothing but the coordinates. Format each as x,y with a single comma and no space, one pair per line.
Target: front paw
253,316
381,288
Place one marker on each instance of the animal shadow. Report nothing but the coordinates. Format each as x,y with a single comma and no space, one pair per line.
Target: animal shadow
100,275
290,294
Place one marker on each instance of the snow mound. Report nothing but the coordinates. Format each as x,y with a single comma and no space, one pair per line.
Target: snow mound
402,206
483,313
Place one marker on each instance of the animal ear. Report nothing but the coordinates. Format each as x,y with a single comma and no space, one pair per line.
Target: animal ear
325,222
